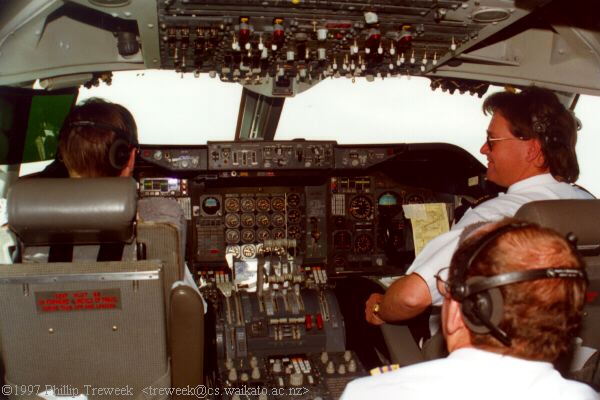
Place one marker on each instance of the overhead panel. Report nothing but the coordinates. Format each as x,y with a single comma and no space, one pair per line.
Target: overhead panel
281,48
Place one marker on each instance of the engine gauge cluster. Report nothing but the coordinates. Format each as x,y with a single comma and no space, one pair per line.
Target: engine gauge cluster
250,218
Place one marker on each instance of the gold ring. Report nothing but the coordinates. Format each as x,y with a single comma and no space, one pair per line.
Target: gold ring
375,308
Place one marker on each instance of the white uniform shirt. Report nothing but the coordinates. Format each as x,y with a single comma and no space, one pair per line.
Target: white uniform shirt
471,374
437,254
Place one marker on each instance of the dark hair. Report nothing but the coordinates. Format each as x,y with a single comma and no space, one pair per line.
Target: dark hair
537,113
540,316
88,133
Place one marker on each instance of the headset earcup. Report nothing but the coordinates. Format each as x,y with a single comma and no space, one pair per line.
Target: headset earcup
487,305
119,154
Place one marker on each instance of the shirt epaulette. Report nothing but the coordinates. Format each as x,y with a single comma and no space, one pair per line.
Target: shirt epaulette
384,369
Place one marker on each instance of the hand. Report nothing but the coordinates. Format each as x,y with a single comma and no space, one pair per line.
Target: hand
372,304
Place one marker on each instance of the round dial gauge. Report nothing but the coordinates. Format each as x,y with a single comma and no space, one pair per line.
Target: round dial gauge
263,220
263,234
247,220
248,235
232,220
278,204
342,240
232,236
294,216
363,244
248,251
278,233
232,204
361,207
293,200
294,232
211,205
278,220
235,250
247,204
263,204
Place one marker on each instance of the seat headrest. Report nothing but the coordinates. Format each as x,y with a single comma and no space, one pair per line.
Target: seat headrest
73,210
581,217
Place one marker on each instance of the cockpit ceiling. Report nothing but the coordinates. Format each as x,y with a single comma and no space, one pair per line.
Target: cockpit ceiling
279,48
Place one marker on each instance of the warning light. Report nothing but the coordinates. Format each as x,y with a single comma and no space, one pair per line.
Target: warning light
373,40
319,321
278,34
308,323
244,35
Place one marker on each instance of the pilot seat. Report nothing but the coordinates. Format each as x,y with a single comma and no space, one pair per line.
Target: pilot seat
95,300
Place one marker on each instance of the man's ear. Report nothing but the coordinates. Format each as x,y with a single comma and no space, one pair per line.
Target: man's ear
454,322
128,169
456,332
534,152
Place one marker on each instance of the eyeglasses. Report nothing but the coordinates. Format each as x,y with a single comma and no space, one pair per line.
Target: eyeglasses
489,141
442,285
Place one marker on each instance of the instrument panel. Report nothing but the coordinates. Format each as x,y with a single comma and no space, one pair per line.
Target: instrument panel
334,207
348,224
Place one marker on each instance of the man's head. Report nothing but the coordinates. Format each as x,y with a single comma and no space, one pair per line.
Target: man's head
531,133
517,289
98,138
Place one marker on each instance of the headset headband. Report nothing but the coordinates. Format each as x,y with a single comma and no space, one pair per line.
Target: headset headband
521,276
120,149
121,133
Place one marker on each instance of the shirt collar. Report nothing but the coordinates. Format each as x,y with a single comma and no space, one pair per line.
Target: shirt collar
537,180
482,356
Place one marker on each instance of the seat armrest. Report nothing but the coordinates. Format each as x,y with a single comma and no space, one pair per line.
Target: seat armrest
401,344
186,339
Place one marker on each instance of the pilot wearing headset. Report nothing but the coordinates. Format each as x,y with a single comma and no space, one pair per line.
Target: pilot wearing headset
99,139
513,301
530,148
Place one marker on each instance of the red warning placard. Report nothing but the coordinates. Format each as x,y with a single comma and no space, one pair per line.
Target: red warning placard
78,300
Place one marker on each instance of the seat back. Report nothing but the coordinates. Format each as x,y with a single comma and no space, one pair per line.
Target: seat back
96,219
73,219
64,326
581,217
85,224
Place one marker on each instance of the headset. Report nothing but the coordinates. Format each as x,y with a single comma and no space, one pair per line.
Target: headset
120,149
480,297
